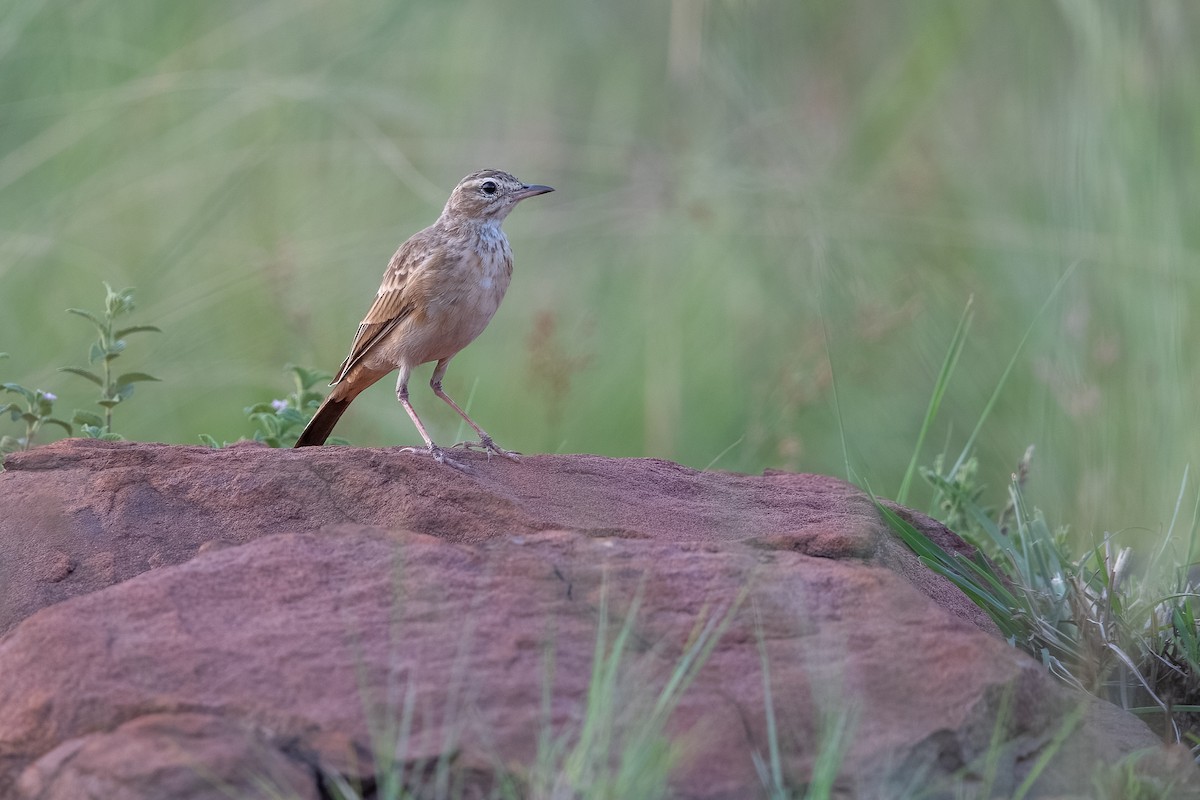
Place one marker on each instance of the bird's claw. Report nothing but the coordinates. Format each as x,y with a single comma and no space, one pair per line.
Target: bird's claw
487,445
439,455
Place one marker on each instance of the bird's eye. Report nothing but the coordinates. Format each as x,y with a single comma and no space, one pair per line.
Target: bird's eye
488,187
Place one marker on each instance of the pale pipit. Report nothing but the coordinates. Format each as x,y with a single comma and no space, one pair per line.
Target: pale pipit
439,292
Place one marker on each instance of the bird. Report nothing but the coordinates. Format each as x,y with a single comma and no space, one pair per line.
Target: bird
439,291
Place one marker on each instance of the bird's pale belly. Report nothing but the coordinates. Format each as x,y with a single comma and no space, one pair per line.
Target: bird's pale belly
459,320
450,322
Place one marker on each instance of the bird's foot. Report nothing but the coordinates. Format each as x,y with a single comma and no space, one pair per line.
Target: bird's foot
488,446
439,455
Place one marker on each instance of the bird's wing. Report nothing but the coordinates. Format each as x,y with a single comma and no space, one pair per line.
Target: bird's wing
399,296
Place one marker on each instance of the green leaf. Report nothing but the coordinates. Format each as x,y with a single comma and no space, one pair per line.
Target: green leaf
121,334
308,377
95,352
109,436
292,416
124,390
88,316
92,431
133,377
108,402
88,418
55,421
259,408
83,373
209,441
118,303
17,388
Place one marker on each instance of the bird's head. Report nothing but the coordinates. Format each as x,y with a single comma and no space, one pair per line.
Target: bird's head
488,196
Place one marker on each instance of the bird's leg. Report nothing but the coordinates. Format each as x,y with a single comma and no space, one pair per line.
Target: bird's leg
485,442
438,453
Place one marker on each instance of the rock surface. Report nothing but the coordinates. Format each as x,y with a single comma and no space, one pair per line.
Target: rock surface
200,623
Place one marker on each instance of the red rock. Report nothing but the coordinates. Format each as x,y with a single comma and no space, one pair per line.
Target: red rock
116,509
178,756
312,610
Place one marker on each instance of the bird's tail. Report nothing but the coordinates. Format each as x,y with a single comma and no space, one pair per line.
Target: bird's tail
330,411
321,425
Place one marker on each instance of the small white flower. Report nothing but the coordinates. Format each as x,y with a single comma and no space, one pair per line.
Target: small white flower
50,396
279,405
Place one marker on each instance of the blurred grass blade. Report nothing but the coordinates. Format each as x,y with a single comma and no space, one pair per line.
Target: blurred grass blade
774,763
1012,362
939,390
835,728
837,406
1069,724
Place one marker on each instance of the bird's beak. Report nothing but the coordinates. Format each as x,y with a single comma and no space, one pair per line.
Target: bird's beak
533,191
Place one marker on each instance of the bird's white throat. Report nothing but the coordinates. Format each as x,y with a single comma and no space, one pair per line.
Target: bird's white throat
490,234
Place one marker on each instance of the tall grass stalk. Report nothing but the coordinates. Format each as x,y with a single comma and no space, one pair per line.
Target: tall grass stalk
969,446
834,728
622,747
935,401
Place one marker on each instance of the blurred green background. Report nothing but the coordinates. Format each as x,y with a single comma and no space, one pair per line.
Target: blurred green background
758,200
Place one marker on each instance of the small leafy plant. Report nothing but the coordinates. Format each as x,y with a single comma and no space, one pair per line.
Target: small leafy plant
279,422
108,346
38,410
